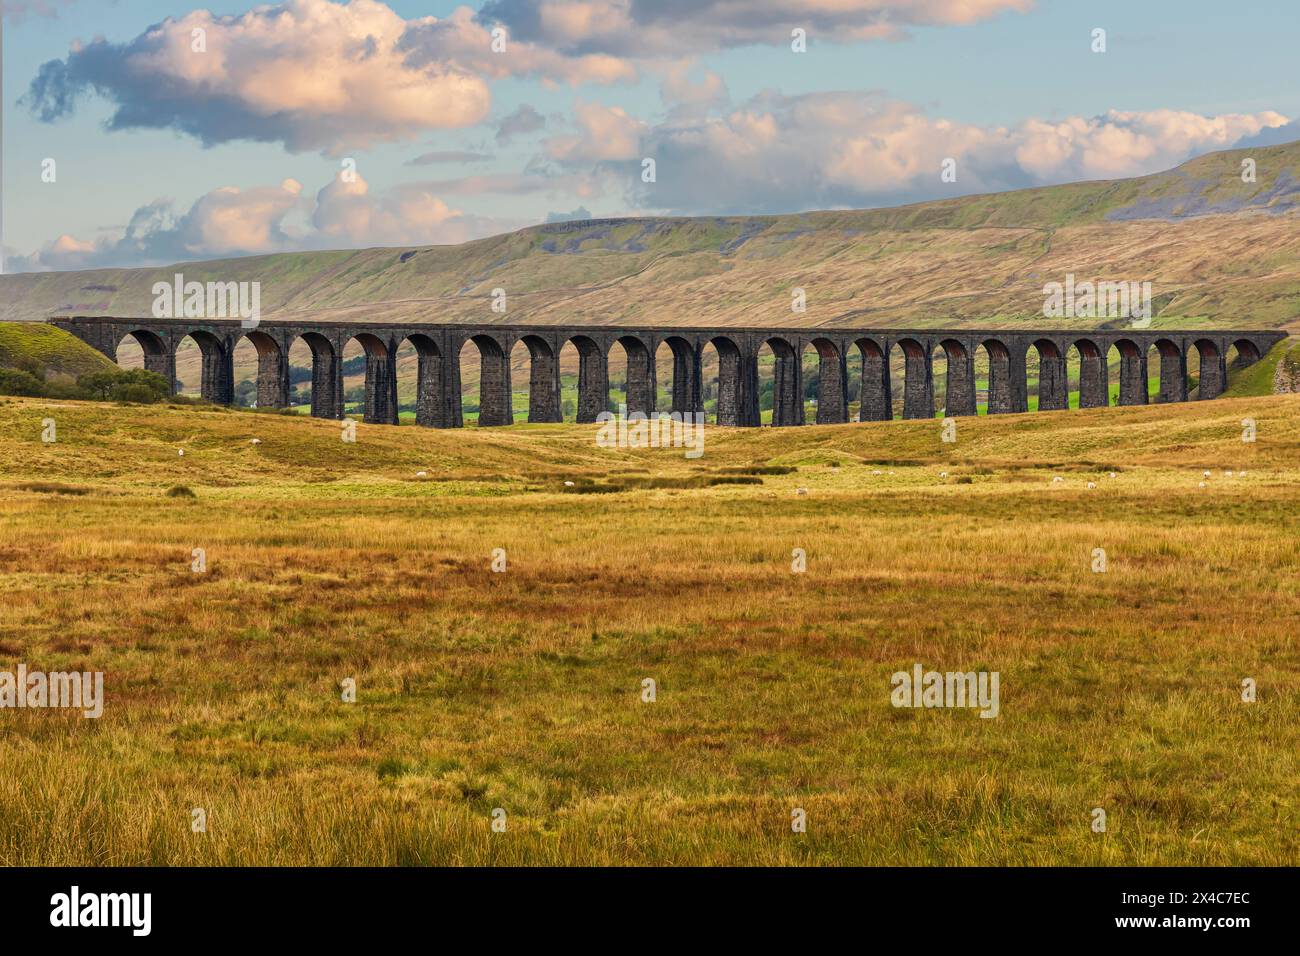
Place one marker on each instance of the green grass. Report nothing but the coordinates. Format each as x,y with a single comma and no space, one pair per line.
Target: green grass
38,346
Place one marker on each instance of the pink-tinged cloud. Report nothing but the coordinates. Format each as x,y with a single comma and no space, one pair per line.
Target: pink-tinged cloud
605,133
671,28
311,74
229,221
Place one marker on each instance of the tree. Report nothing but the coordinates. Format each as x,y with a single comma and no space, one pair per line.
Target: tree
99,384
132,385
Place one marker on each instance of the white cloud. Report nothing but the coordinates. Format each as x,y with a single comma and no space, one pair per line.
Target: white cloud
311,74
605,133
781,153
229,221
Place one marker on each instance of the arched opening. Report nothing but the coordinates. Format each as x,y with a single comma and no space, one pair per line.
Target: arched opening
634,367
981,363
353,370
1093,374
999,399
677,373
728,387
485,396
203,367
875,397
521,373
827,385
1172,366
938,377
315,375
958,378
424,393
1247,353
766,378
918,379
592,395
406,374
189,367
1051,387
370,379
146,350
261,372
1211,370
782,383
1240,355
1133,385
243,365
616,373
569,362
543,395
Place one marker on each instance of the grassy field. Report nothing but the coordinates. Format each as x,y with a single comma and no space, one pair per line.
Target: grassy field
522,690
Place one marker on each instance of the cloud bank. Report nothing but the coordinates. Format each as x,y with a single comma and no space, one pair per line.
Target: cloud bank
779,153
313,75
229,221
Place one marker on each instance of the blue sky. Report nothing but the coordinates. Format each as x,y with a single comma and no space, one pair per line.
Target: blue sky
238,149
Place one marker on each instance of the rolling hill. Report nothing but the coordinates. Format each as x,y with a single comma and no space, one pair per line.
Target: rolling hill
51,351
1217,250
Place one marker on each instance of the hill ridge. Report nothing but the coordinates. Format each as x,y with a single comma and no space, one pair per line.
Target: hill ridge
1219,251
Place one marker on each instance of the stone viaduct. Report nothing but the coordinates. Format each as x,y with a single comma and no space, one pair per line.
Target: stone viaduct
439,387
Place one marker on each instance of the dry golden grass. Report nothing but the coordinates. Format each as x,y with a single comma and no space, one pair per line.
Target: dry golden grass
521,690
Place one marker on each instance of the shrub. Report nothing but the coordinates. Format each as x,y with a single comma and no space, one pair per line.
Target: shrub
136,385
134,394
15,381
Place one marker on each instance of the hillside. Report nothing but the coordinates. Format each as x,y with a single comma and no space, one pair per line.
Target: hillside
1217,250
51,351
